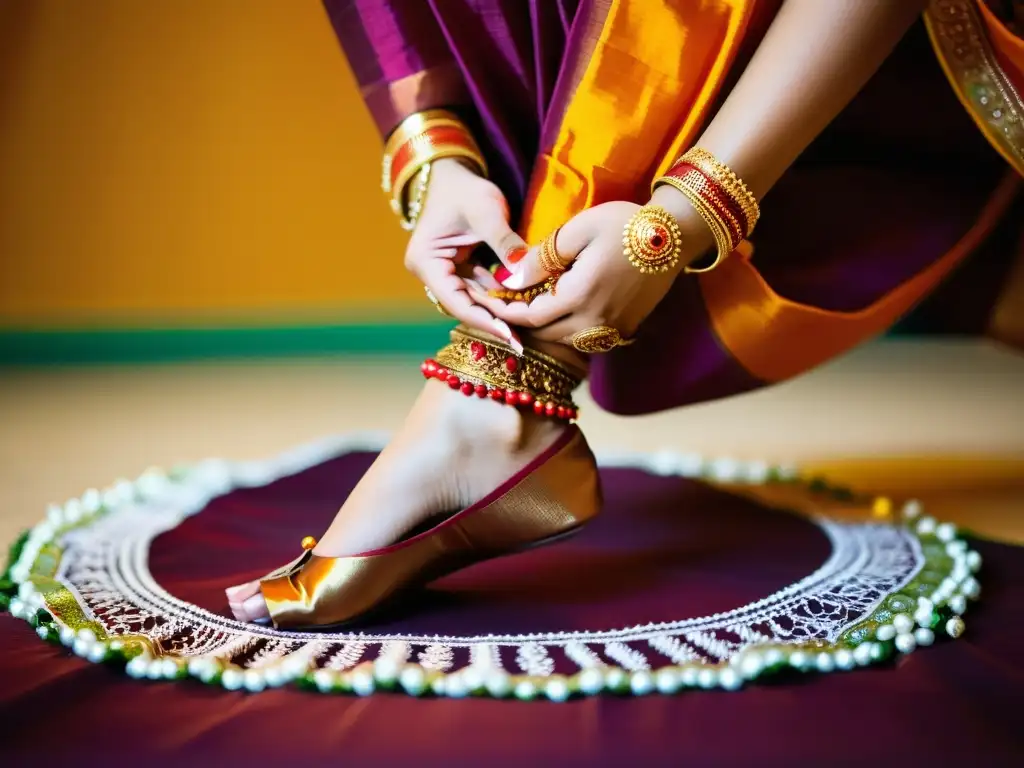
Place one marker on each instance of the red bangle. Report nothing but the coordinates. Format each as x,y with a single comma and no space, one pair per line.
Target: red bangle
712,192
428,143
421,139
731,184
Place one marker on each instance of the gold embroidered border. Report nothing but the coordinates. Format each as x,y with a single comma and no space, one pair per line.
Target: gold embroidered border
961,44
63,604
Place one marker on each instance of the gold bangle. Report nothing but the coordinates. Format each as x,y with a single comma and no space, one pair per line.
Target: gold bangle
563,369
599,339
437,304
651,240
430,153
719,230
416,124
728,180
416,143
409,217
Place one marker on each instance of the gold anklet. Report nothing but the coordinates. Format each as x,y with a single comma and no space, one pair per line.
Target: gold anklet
477,365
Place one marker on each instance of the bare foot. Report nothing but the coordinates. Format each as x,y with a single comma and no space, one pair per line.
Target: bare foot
450,453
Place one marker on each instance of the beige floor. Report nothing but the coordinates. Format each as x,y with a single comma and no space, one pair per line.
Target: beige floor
942,421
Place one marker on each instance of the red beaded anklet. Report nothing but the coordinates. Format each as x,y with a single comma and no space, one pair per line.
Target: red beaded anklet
517,398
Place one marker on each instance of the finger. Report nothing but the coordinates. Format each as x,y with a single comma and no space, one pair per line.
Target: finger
572,238
509,335
486,279
489,303
561,331
458,303
457,241
464,269
489,219
497,299
451,292
423,253
492,304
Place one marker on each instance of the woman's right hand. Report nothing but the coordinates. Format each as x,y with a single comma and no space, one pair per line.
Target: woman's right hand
462,210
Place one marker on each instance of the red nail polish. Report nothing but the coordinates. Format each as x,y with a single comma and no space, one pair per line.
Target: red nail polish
516,254
501,274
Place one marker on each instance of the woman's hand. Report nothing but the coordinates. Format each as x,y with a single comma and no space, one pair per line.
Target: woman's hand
461,211
602,287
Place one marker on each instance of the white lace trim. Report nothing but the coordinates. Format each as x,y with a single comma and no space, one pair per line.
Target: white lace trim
105,564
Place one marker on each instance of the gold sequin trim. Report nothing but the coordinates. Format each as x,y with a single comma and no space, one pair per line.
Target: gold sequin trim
961,44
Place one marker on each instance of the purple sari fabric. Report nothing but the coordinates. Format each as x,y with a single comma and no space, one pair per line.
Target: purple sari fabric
496,62
663,547
901,174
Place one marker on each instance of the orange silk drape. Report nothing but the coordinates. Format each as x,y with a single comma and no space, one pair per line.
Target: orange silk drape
654,73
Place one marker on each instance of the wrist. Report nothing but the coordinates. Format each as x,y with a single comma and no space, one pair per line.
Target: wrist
413,155
454,166
696,236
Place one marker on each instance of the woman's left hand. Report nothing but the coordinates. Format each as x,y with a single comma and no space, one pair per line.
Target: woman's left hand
601,289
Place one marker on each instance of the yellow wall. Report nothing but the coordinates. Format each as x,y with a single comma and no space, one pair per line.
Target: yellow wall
182,161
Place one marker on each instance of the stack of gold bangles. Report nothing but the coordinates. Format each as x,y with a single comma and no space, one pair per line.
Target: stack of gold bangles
477,365
719,197
418,141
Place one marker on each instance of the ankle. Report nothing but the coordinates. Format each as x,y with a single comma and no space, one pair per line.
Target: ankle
477,423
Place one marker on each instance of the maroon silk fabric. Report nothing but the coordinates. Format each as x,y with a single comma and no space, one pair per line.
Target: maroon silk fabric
494,61
663,548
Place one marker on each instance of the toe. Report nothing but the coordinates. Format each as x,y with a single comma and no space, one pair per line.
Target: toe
242,592
253,608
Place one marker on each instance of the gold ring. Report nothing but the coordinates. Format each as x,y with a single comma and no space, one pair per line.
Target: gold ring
436,303
652,240
549,259
598,339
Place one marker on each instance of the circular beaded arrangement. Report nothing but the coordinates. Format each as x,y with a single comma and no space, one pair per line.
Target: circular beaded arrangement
651,240
80,577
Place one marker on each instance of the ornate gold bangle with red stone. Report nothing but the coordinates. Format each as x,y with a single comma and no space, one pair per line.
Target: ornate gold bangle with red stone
420,140
477,365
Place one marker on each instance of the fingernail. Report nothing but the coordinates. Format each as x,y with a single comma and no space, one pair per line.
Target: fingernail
501,274
254,606
506,333
515,281
516,254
